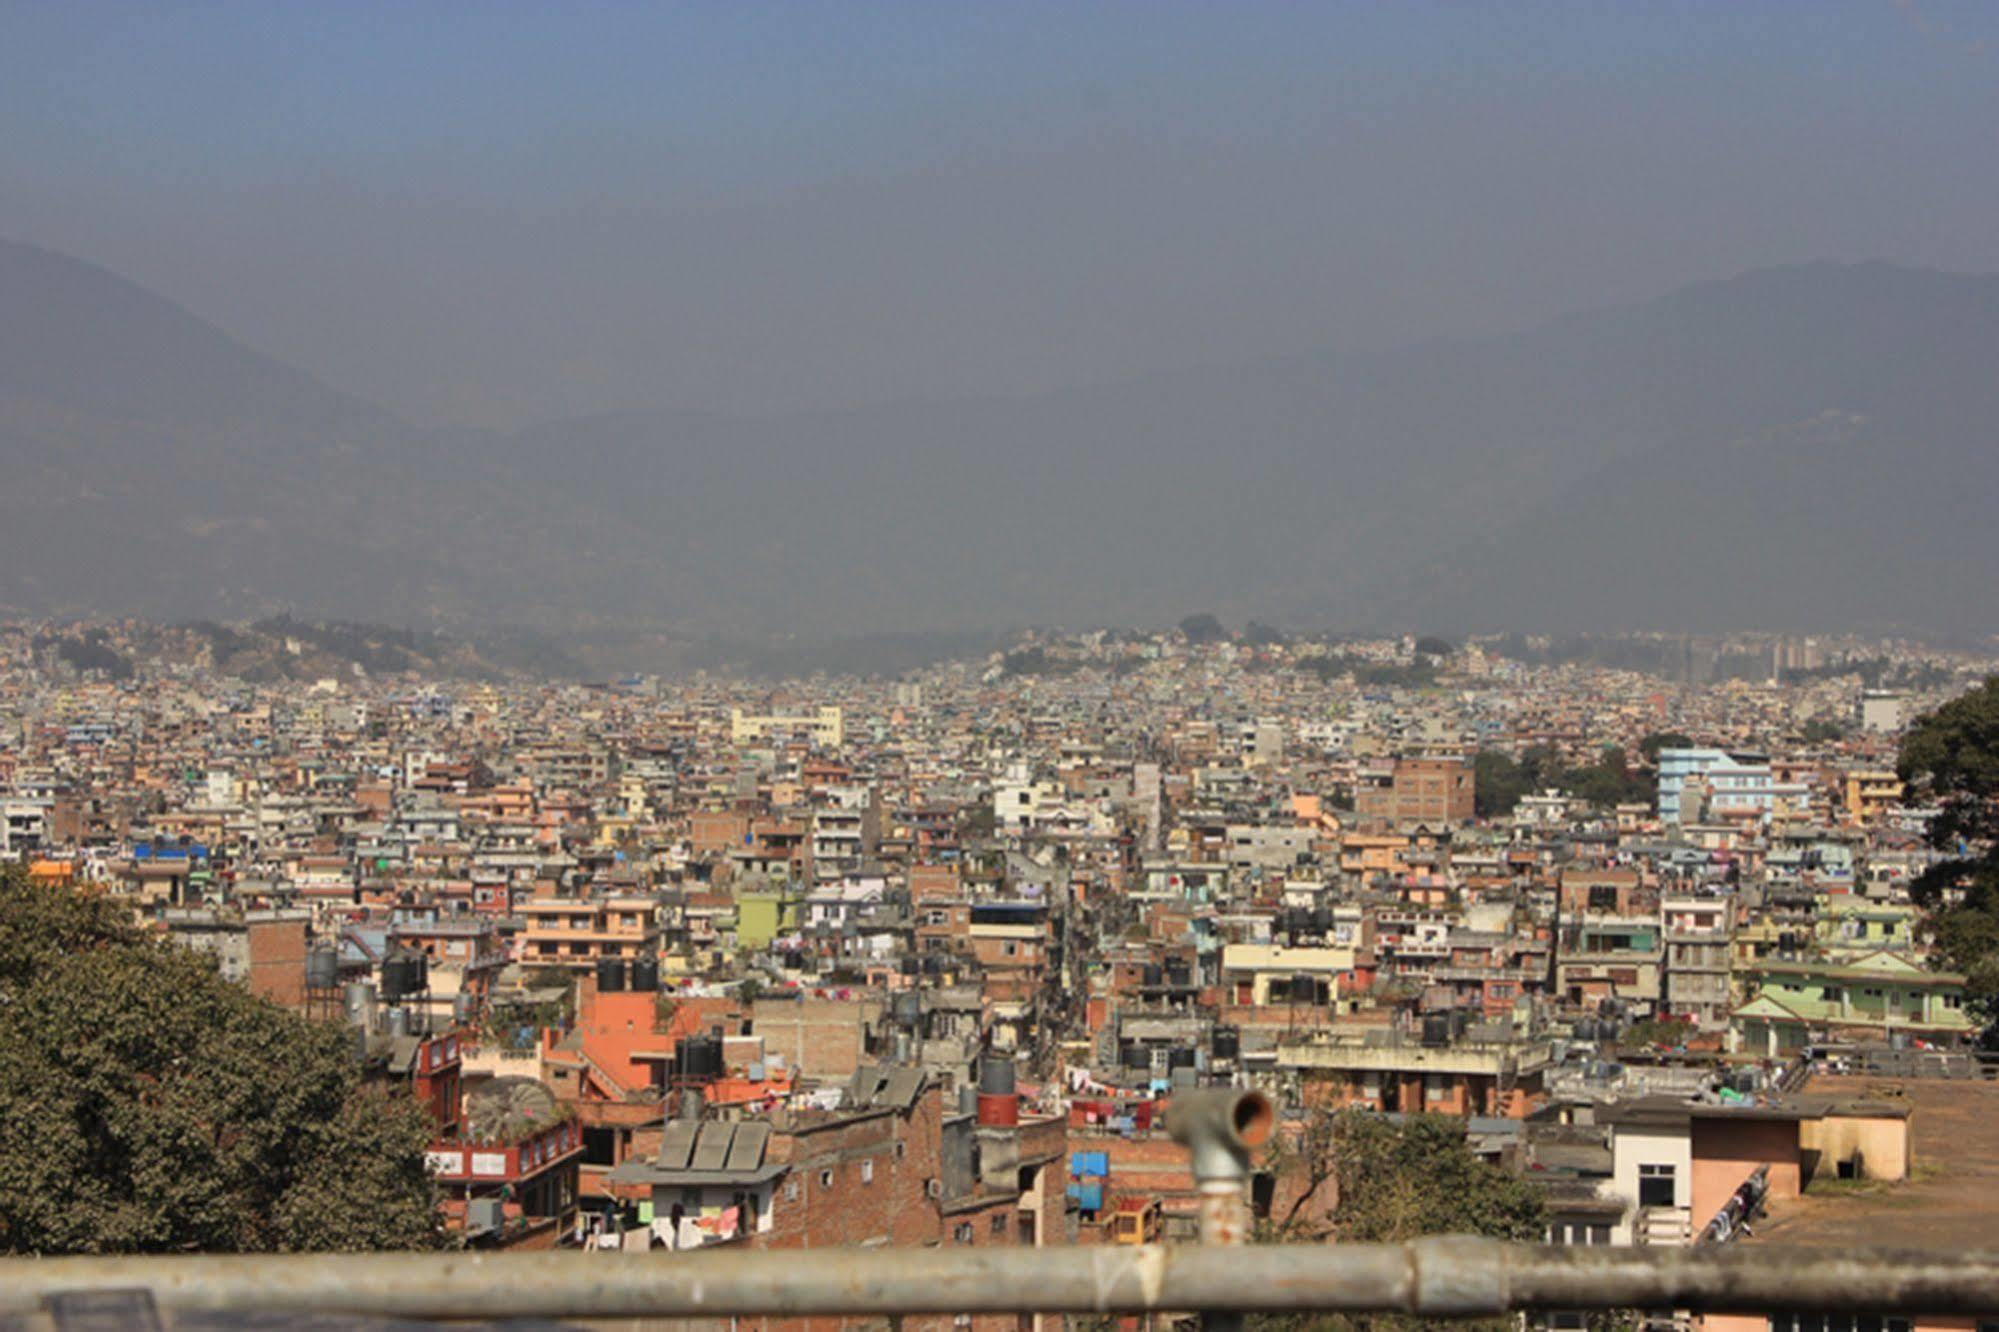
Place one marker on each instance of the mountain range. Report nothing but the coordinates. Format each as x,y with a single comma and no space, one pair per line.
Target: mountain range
1802,448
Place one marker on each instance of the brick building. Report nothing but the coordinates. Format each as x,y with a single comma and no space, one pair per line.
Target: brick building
1435,790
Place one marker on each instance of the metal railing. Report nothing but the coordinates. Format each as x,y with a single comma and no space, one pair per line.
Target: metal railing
1442,1278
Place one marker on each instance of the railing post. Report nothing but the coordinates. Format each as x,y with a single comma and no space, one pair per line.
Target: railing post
1218,1128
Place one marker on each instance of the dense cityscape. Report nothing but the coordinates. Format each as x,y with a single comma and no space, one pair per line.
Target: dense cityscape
678,963
1147,666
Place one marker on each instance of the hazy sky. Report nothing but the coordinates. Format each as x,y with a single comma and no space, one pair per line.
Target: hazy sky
501,212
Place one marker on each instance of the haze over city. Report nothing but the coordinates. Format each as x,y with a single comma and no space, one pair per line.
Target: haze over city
975,667
826,321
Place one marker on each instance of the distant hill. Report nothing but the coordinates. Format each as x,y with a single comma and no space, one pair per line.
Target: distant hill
80,339
282,648
1796,447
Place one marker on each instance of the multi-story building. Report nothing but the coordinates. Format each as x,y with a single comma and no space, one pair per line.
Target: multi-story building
1432,790
824,727
1736,784
1697,982
579,931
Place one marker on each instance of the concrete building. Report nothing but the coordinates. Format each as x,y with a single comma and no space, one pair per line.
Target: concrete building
824,727
1736,784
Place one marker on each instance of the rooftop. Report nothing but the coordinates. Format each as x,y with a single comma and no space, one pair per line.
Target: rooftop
1946,1203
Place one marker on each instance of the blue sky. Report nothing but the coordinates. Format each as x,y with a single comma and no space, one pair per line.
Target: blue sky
491,213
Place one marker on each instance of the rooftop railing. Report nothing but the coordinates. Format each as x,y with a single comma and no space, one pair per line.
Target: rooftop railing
1446,1277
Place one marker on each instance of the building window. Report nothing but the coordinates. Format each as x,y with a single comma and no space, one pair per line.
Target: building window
1837,1322
867,1172
962,1234
825,1179
999,1224
1655,1185
791,1190
899,1149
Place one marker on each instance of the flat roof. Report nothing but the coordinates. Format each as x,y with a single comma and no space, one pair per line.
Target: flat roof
1947,1202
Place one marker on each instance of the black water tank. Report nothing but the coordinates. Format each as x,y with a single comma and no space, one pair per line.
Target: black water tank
610,975
645,974
698,1057
399,977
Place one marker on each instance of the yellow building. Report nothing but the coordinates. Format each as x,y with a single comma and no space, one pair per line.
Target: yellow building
825,727
1869,793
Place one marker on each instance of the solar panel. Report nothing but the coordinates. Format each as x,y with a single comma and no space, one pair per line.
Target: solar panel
678,1145
711,1149
746,1152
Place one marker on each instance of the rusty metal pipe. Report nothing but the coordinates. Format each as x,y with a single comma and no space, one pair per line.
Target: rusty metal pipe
1219,1128
1434,1277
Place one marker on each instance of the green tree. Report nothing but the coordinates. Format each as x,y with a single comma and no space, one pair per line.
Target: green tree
149,1106
1432,646
1950,758
1658,740
1611,780
1203,628
1396,1180
1402,1179
1497,784
1657,1031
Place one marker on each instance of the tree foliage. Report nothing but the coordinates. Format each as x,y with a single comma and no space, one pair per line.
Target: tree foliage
149,1106
1418,673
1418,1176
1950,758
1203,628
1498,781
1650,746
1396,1179
1611,780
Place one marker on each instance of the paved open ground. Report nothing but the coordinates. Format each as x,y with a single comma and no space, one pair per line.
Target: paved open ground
1951,1199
